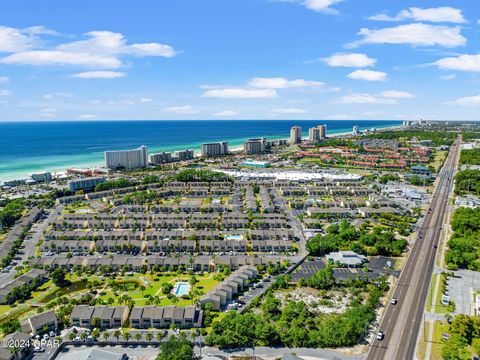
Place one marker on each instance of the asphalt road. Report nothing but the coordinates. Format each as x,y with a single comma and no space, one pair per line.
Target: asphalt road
401,322
31,240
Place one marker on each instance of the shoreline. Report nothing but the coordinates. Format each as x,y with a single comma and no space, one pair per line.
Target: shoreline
235,145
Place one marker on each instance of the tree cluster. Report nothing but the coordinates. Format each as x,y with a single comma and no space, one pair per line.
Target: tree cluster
345,236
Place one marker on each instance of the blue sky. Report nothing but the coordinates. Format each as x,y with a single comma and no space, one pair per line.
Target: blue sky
239,59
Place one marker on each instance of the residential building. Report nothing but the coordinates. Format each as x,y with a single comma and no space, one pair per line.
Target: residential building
42,177
126,159
95,353
314,135
106,316
144,317
85,184
255,146
323,131
295,135
420,170
355,130
183,155
40,323
214,149
160,158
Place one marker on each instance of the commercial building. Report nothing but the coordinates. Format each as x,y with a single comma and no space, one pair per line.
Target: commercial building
323,131
214,149
295,135
126,159
314,135
255,146
355,130
85,184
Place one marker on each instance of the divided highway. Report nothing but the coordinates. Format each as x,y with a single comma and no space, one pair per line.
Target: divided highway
401,322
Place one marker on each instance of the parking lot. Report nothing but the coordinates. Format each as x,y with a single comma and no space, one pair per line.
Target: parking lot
377,266
460,289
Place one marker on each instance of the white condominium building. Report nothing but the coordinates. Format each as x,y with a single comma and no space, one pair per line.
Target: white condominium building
126,159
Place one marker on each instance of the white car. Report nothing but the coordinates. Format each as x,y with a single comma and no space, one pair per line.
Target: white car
380,336
38,349
394,301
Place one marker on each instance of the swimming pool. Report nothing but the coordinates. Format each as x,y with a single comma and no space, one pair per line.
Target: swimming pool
181,288
234,237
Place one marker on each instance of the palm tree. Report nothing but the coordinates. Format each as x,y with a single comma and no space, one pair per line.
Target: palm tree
160,336
95,334
72,336
174,300
149,336
83,336
106,335
126,335
138,336
117,334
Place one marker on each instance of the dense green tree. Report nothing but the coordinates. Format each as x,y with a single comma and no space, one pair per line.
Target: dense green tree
176,348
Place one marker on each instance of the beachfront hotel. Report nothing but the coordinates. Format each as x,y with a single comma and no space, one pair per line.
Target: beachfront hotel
126,159
214,149
295,135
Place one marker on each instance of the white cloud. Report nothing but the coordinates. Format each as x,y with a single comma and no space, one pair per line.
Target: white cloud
395,94
102,49
99,75
439,14
350,60
226,113
57,94
321,5
448,77
289,111
5,92
368,75
87,116
13,40
183,109
145,100
54,57
240,93
417,34
363,98
340,117
469,63
282,83
469,101
4,79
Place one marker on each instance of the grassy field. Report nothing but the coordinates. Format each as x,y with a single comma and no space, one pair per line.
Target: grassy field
439,327
438,159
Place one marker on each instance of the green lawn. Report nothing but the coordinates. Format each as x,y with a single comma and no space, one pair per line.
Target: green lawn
153,285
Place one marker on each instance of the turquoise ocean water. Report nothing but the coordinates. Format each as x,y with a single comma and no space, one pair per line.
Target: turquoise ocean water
27,147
